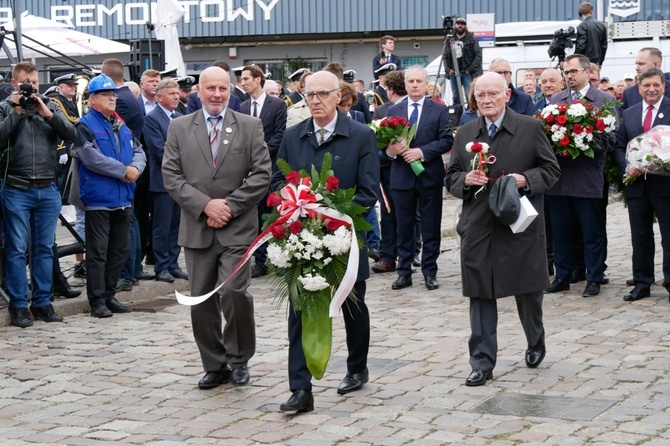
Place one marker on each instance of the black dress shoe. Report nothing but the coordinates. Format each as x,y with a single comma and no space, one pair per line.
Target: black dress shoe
117,307
636,294
373,254
258,271
80,270
213,379
178,274
578,276
402,282
558,285
592,289
164,276
300,401
240,376
431,283
146,276
62,287
100,310
353,382
605,280
416,261
46,313
478,378
534,356
20,317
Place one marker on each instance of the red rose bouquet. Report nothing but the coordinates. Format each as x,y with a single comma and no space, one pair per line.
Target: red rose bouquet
314,249
571,127
481,160
393,129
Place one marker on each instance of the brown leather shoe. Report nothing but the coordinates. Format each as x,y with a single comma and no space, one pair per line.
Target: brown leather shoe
383,267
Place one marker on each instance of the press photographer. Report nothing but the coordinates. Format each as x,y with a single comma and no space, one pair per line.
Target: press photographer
591,36
468,55
30,131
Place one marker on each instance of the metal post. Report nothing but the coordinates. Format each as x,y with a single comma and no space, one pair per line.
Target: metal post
18,9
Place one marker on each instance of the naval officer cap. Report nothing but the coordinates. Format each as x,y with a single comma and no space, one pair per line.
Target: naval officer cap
168,74
186,82
349,76
52,91
386,69
295,76
70,79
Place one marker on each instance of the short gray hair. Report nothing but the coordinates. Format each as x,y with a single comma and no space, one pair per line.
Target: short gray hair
166,83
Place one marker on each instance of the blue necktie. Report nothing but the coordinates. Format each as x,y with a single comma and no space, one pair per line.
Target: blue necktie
414,117
492,130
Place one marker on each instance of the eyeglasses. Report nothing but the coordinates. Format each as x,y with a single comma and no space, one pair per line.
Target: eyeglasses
573,72
493,95
108,94
504,73
323,95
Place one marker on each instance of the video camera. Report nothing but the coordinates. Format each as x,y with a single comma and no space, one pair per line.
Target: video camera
561,41
448,23
27,101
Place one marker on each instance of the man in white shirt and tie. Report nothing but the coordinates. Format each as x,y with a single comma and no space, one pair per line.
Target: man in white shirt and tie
648,195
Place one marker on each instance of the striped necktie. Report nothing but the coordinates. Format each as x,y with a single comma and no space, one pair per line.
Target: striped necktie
214,136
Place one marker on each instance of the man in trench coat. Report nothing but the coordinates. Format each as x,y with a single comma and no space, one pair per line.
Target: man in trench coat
494,261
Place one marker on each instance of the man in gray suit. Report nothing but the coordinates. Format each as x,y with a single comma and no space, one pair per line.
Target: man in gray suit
495,262
216,166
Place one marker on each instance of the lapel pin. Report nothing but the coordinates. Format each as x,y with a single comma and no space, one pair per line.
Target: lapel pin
660,116
225,141
229,130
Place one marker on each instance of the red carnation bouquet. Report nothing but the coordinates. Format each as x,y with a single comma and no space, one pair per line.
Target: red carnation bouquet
571,127
394,129
314,249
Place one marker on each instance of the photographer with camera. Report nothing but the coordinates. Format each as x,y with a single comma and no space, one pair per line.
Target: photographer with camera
30,131
386,56
591,36
468,55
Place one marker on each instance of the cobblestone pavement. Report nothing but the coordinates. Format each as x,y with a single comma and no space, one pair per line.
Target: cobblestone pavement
131,379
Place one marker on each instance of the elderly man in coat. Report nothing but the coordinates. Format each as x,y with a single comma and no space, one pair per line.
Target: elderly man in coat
494,261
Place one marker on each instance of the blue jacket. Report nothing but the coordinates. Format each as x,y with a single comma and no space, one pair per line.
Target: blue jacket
103,162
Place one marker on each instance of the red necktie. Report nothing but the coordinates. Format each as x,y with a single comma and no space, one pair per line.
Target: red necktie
646,125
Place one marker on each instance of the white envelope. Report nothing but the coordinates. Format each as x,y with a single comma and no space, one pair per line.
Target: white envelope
526,216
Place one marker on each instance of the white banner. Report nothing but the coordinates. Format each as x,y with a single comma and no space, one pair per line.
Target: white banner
624,8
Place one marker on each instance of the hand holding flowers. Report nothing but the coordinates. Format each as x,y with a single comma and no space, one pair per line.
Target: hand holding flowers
648,153
395,134
479,165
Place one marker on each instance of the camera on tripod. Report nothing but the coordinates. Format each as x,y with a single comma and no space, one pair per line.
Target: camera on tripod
562,40
448,23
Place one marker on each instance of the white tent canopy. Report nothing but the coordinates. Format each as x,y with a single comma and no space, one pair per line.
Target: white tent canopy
59,37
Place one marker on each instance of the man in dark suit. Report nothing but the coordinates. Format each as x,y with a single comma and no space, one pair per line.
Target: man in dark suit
355,163
361,104
272,112
166,211
432,139
495,262
194,104
216,166
381,73
238,92
649,195
385,56
519,101
646,58
577,196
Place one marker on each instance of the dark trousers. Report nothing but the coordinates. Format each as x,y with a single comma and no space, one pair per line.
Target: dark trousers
429,202
587,213
483,343
641,216
107,248
143,208
261,254
235,343
388,225
166,232
133,266
357,326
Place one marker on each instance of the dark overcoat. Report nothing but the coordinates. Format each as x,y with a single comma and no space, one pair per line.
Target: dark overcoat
494,261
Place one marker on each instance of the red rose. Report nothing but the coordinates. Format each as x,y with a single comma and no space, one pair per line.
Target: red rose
273,200
600,125
403,122
333,225
577,128
384,123
565,154
295,227
293,177
476,147
589,129
564,141
589,105
550,119
561,120
278,232
562,108
332,183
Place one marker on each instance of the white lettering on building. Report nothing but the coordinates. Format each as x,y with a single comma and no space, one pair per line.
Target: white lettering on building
137,13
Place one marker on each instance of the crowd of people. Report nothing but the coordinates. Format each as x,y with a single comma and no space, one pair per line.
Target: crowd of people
184,165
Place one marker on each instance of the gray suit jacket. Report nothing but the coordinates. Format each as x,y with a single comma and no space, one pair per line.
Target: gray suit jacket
241,176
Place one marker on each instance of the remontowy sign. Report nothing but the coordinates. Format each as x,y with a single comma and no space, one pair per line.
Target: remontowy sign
138,13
